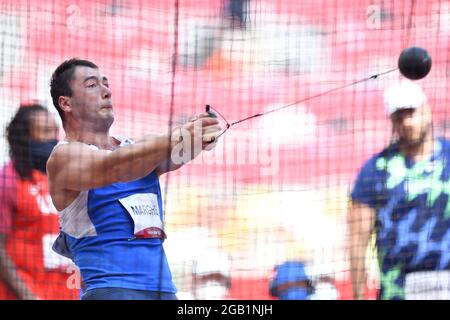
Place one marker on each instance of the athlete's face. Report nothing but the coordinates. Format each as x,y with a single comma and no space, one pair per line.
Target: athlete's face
91,98
412,125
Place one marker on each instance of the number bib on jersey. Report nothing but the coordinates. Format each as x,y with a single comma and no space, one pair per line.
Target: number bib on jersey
143,209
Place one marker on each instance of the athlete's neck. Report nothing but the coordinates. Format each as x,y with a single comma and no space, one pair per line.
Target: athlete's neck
101,140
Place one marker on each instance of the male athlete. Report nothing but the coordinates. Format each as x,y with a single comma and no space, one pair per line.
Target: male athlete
107,188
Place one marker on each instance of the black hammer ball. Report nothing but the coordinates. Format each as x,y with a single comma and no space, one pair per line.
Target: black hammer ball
414,63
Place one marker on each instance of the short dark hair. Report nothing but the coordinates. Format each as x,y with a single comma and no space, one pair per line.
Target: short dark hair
18,133
60,82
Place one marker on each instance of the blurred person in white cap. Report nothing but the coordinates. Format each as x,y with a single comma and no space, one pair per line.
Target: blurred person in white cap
402,195
211,276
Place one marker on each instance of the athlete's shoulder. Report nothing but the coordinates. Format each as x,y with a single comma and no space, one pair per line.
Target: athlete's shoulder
68,152
71,148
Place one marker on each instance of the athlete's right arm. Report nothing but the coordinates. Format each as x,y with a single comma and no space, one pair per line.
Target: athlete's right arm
361,221
76,166
9,275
